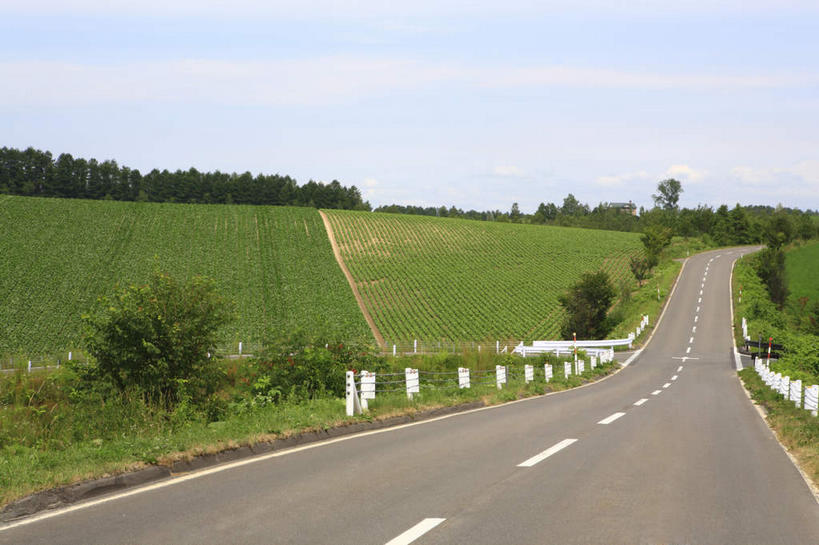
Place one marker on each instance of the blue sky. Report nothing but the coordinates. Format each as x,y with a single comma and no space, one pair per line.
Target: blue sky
476,104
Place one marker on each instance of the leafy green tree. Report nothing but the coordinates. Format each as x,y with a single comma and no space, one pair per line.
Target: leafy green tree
668,194
640,266
779,231
157,337
770,267
587,304
514,214
655,239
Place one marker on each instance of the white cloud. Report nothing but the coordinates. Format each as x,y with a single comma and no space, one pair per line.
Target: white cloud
321,80
798,180
508,171
686,174
370,183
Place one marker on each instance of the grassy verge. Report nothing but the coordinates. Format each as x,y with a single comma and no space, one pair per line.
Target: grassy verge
644,300
59,443
797,429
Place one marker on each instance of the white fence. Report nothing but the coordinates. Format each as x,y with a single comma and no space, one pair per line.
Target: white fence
363,386
592,347
805,397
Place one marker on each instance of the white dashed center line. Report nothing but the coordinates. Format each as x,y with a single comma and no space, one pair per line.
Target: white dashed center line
612,418
699,300
691,340
694,329
679,368
700,292
698,309
656,392
666,385
674,377
688,350
546,453
641,401
696,318
415,532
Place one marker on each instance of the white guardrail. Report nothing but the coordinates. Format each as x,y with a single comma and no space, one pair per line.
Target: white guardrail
364,385
558,347
790,389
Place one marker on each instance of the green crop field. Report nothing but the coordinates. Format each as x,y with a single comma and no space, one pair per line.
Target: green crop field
276,263
459,280
801,267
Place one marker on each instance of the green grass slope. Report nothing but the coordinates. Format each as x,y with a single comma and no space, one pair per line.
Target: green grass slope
276,263
801,267
459,280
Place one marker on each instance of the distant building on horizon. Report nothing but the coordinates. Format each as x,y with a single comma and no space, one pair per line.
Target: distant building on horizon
625,207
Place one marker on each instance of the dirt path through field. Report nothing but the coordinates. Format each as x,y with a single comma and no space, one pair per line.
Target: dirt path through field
336,252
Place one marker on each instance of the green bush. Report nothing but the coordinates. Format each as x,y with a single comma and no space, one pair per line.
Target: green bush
157,338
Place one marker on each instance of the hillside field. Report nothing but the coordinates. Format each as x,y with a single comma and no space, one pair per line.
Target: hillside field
58,255
437,279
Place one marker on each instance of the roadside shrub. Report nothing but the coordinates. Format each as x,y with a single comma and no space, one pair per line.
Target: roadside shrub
587,304
157,338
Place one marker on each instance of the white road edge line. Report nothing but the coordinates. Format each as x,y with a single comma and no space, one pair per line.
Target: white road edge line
666,385
415,532
612,418
656,392
546,453
640,401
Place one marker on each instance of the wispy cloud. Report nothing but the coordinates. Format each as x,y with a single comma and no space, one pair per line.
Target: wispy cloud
800,179
508,171
686,173
324,80
621,180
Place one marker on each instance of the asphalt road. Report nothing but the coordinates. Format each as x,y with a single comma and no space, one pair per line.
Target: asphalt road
688,461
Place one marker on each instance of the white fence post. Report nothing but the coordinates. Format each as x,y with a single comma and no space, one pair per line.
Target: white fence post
415,346
463,377
581,366
240,348
413,382
547,371
353,404
567,369
393,350
529,373
812,399
29,366
500,375
367,388
593,361
497,347
796,393
784,386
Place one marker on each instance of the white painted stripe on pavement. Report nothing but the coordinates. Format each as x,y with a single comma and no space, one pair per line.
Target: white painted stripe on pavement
415,532
656,392
691,340
546,453
612,418
699,300
679,368
697,317
674,377
641,401
688,350
694,329
698,309
700,292
666,385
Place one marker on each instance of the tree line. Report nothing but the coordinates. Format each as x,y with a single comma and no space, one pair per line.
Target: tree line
722,226
36,173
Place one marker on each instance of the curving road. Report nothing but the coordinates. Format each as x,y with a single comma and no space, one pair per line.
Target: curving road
669,450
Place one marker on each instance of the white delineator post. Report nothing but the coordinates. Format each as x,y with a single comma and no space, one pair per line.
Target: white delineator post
581,366
463,377
529,373
593,361
547,371
393,350
500,375
785,386
415,346
497,347
353,404
240,348
413,383
567,369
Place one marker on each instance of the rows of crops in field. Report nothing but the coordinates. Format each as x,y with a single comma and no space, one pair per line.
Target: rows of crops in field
58,256
448,279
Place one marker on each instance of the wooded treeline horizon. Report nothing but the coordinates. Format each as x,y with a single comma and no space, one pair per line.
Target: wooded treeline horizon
37,173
